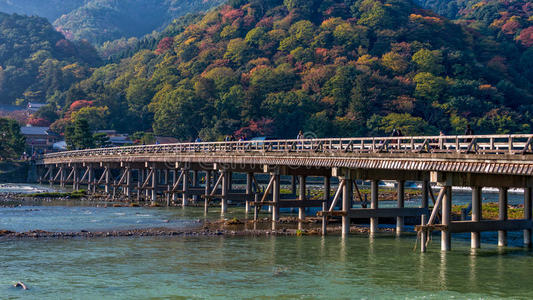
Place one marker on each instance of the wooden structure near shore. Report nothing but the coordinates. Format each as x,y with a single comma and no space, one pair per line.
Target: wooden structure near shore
172,173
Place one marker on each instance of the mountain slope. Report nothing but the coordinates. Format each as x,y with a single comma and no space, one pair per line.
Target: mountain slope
510,19
36,61
330,68
50,9
104,20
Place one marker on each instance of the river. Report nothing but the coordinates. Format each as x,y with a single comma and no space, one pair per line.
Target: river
286,267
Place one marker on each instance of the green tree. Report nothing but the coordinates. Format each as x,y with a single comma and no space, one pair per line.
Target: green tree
78,135
429,61
101,140
12,141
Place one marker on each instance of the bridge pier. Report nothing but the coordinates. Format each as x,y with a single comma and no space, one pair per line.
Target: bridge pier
527,215
374,203
401,204
301,197
275,198
446,218
153,198
224,200
249,176
347,197
207,190
475,237
185,189
502,215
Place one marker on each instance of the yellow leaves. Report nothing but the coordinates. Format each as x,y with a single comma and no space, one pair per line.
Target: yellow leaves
479,4
190,40
424,19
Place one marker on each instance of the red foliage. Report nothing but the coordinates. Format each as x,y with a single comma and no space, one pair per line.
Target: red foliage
266,22
526,37
230,14
263,127
164,45
511,27
77,105
38,122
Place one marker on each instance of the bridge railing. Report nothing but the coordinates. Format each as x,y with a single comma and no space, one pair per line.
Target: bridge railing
468,144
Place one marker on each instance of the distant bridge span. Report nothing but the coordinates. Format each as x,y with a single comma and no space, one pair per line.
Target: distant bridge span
169,170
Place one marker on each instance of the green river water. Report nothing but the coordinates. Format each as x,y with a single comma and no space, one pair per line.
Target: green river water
223,267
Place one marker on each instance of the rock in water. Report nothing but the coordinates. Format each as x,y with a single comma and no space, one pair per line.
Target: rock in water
21,285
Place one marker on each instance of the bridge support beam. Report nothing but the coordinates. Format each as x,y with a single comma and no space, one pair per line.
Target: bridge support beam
346,204
424,204
446,218
327,189
301,197
502,215
75,178
185,189
224,200
275,199
527,215
207,190
475,237
401,204
153,198
374,204
249,177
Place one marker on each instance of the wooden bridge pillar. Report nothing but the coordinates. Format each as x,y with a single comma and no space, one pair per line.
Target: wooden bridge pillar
475,237
327,190
128,182
401,204
62,176
90,178
301,197
185,194
347,197
153,198
224,200
374,204
249,176
51,175
424,218
446,218
195,184
502,215
75,178
527,215
293,185
107,171
275,198
207,190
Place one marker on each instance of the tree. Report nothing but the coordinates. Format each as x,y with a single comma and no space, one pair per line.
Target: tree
429,61
101,140
78,135
429,86
12,141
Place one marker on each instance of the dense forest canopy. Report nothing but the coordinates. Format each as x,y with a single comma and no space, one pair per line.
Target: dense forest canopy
100,21
37,62
105,20
506,19
330,67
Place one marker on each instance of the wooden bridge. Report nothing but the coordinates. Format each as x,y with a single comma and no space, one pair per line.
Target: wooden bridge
171,173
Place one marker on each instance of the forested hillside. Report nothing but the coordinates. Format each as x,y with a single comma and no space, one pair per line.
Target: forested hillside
100,21
37,62
506,19
105,20
330,67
